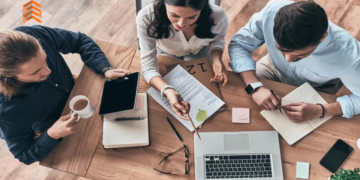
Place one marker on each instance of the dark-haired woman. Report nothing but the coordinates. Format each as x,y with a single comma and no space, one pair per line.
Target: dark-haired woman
184,29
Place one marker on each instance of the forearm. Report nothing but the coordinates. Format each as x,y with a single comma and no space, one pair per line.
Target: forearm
217,54
249,77
158,82
36,151
332,109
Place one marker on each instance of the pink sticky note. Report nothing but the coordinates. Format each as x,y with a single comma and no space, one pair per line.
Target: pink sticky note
139,102
240,115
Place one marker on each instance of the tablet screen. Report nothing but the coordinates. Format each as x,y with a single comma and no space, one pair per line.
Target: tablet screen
119,95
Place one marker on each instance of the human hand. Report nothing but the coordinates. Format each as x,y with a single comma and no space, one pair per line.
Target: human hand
299,112
62,127
178,105
114,74
219,71
266,100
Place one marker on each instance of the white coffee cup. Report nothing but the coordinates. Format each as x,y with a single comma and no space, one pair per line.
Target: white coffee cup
358,143
85,112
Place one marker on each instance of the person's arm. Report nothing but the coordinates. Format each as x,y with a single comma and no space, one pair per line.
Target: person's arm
19,138
242,45
216,48
150,68
350,104
347,106
72,42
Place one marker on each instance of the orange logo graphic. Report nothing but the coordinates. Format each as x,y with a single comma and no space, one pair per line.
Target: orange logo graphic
32,10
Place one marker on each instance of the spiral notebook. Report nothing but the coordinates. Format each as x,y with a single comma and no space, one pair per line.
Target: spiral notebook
294,131
130,133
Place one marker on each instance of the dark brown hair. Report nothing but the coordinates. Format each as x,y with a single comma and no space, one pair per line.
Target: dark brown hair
299,25
16,48
160,27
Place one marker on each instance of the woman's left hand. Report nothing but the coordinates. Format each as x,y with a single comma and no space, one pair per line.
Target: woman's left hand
116,73
219,71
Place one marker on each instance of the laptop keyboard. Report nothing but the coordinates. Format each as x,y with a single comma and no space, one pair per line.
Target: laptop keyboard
238,166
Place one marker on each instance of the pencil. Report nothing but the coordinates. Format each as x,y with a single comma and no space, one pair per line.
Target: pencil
194,127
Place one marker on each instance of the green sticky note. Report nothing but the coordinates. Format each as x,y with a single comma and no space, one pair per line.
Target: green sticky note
302,170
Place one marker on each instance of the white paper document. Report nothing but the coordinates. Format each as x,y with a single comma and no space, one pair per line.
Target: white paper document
294,131
203,102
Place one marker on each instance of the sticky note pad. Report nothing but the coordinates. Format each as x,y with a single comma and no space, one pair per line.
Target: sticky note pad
139,102
302,170
240,115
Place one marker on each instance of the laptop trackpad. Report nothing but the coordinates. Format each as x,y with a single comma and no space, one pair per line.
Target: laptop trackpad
236,142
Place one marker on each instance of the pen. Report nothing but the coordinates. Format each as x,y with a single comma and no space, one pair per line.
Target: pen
129,118
172,126
276,99
192,123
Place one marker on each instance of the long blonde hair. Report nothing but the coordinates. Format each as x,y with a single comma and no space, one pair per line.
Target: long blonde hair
16,48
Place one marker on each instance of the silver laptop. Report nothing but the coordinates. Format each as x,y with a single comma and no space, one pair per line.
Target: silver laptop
247,155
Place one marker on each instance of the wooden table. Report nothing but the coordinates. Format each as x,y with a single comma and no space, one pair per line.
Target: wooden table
83,153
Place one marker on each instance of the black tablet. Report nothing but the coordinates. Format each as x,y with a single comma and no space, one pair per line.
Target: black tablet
119,95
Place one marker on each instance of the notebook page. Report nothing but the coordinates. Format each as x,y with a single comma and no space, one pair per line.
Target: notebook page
127,133
294,131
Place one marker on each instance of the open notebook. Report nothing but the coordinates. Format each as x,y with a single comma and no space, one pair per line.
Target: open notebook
131,133
294,131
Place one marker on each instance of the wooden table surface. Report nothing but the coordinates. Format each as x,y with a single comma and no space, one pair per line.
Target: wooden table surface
84,155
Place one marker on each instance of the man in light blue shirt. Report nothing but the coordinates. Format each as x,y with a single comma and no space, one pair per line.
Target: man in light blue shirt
303,46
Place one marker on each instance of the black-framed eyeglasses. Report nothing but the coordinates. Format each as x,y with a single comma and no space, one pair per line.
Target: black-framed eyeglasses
187,162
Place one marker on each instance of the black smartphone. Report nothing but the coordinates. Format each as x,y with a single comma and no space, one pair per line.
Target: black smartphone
336,156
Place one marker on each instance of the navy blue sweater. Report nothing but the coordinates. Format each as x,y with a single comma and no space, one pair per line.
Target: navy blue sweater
39,105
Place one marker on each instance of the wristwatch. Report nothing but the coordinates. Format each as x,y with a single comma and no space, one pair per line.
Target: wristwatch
104,70
251,88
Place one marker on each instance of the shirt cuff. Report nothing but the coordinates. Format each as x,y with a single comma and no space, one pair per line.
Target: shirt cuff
101,64
346,106
245,65
148,76
48,141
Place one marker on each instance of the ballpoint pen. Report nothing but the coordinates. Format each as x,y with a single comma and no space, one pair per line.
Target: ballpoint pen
172,126
129,118
272,92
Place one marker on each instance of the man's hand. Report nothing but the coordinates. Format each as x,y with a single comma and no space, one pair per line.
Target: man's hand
266,100
219,71
116,73
177,103
62,127
299,112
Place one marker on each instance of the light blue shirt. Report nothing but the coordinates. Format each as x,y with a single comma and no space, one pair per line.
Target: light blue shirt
337,56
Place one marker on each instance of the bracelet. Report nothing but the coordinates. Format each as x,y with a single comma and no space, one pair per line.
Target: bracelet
104,71
323,112
165,88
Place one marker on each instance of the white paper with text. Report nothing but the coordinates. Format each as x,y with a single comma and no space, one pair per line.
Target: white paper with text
203,102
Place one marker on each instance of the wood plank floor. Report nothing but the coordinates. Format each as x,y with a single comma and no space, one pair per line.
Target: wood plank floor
114,21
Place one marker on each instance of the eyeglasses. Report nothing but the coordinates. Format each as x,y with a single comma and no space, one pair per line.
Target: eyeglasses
187,164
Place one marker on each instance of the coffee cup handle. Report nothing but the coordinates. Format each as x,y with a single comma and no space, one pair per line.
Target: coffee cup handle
74,114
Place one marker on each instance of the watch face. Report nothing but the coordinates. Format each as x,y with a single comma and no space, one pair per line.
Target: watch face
249,89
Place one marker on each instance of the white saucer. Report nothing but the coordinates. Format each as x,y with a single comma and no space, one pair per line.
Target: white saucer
358,143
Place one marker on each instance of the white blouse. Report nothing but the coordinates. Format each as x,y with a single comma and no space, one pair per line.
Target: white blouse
176,44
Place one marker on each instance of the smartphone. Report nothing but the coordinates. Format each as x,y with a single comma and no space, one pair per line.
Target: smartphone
336,156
